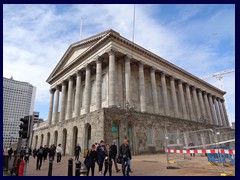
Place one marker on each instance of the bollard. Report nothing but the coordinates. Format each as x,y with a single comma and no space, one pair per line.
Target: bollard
77,170
50,166
70,167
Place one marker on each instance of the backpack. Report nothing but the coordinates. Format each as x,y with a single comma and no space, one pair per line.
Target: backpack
40,152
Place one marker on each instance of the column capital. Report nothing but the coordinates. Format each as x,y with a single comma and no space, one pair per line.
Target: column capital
52,90
127,57
141,63
63,82
152,69
86,66
179,81
112,50
218,98
78,72
57,87
172,77
70,78
163,74
187,85
98,59
204,92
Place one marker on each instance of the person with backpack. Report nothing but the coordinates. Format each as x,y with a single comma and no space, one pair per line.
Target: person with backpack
51,152
59,153
91,158
39,158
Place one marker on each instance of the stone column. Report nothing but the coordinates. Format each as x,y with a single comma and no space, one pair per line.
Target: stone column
165,96
127,78
201,102
225,112
220,111
112,79
51,106
182,99
56,104
189,101
174,97
217,111
69,98
214,118
196,103
154,91
99,83
207,107
63,102
87,94
142,88
78,93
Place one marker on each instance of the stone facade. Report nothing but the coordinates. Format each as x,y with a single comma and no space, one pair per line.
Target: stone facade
106,87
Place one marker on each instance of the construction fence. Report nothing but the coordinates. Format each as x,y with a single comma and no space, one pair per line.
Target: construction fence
204,150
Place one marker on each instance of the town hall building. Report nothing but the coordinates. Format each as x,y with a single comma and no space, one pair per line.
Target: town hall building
108,88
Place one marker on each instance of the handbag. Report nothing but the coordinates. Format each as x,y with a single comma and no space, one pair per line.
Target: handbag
119,160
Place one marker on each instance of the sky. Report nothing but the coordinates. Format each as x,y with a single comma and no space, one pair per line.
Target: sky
197,38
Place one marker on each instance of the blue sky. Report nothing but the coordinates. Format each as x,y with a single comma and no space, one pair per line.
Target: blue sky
198,38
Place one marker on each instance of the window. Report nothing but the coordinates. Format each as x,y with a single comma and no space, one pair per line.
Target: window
149,136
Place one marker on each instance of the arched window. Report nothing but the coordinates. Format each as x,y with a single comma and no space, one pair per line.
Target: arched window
149,135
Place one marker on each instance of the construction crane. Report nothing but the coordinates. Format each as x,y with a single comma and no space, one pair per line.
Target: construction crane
219,77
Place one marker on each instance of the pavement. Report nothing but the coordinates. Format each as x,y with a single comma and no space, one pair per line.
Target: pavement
142,165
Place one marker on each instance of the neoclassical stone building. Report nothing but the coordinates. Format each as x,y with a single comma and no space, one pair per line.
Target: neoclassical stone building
107,87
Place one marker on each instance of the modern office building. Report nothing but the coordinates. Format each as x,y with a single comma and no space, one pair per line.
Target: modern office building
18,101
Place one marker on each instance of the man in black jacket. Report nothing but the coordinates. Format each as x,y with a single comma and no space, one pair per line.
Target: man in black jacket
126,156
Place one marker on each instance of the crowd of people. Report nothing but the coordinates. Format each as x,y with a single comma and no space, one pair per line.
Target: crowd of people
106,154
102,154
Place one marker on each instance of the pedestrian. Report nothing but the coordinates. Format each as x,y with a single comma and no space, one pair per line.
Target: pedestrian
34,153
190,145
91,159
77,152
125,155
59,153
130,170
45,152
114,152
26,157
10,151
30,151
108,160
100,151
51,152
22,153
39,158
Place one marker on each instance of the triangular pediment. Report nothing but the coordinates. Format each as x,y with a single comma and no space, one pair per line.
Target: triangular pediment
75,50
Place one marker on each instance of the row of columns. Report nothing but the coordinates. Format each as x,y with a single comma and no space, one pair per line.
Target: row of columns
210,106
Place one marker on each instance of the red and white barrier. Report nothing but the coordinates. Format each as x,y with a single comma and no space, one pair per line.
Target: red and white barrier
201,151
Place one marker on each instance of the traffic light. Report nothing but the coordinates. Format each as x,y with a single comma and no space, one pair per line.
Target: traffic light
24,127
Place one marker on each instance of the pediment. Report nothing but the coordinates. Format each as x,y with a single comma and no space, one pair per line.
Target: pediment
75,50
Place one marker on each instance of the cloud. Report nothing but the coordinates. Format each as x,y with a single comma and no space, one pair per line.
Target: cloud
191,36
